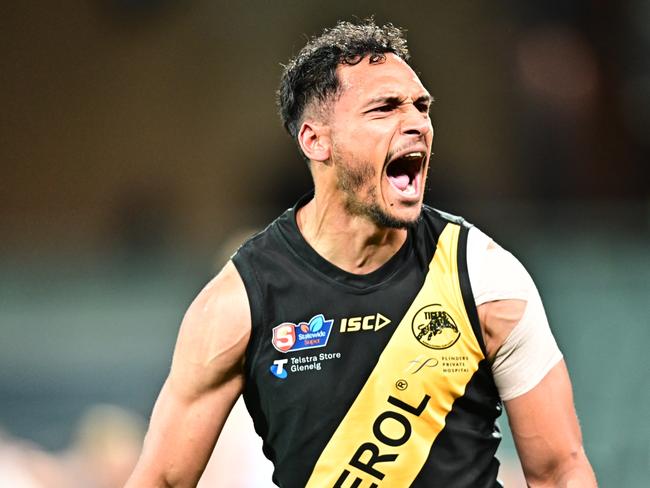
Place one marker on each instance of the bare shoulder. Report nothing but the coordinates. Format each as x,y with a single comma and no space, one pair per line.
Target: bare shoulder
214,333
205,380
225,293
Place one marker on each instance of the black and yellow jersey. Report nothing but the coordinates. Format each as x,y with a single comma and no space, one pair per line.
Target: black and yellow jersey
376,380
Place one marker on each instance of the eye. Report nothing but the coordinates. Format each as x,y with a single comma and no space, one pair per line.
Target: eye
423,107
383,108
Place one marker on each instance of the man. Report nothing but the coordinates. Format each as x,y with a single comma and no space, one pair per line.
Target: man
373,338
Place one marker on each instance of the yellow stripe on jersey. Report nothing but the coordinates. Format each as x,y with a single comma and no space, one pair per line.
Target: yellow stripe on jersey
386,435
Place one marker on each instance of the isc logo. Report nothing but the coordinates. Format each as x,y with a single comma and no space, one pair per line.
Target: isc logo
369,322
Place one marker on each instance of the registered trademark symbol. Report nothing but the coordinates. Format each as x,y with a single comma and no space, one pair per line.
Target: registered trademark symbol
401,385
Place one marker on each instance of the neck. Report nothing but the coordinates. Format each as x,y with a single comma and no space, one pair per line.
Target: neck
351,242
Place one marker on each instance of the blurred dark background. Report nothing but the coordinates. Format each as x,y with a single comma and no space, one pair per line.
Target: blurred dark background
139,144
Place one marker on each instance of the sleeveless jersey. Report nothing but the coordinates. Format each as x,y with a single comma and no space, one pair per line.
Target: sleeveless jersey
368,381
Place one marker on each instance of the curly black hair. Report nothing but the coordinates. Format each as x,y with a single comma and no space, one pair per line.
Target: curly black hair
311,75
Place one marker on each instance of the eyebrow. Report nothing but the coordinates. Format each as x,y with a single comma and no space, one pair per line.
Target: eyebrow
395,100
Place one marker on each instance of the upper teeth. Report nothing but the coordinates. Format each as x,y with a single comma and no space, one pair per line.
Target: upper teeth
413,155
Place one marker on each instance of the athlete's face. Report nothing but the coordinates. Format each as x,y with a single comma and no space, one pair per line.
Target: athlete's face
381,140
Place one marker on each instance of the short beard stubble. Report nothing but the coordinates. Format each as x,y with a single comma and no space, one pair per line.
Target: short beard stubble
349,180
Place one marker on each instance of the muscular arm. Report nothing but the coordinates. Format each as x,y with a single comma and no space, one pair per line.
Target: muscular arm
528,370
205,379
547,435
543,420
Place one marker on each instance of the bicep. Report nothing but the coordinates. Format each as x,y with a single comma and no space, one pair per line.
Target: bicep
204,382
182,433
545,427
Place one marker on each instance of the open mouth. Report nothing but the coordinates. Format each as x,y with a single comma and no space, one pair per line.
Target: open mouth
404,172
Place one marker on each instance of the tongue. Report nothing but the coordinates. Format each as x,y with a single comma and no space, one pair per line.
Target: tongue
401,182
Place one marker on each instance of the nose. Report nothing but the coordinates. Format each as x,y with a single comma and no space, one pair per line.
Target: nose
416,123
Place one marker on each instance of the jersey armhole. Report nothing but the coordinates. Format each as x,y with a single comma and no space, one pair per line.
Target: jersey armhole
466,286
255,303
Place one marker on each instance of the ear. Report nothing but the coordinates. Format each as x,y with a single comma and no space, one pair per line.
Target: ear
315,141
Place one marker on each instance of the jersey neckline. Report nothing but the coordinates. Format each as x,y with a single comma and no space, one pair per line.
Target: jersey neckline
288,229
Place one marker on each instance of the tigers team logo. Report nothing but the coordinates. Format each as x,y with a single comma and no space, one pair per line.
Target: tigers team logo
434,327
